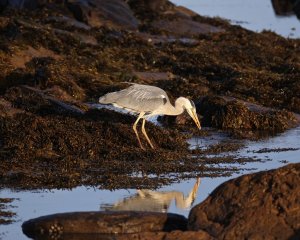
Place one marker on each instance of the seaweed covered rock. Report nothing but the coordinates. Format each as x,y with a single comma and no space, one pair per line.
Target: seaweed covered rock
262,205
230,113
80,144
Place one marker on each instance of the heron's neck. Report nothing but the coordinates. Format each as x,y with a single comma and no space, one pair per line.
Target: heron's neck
177,110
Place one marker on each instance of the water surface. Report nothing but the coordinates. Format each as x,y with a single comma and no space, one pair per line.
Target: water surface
38,203
255,15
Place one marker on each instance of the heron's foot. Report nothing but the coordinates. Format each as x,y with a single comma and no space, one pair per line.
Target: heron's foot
142,147
151,145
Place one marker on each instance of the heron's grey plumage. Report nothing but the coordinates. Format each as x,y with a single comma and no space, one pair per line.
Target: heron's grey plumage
137,98
148,101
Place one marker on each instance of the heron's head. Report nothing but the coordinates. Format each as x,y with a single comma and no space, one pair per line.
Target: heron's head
190,107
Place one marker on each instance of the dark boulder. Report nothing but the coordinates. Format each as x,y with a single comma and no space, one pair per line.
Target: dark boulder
262,205
286,7
97,13
103,223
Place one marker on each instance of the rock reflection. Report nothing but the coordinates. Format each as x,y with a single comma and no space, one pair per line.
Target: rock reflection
6,215
154,201
286,7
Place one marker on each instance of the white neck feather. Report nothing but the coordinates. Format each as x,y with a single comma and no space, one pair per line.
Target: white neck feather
179,107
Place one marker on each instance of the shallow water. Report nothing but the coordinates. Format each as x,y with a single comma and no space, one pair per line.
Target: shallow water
35,204
255,15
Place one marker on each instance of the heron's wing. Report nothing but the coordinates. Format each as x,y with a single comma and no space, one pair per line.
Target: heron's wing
138,98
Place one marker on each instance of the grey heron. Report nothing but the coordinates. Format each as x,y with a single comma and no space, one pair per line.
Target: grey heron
155,201
149,101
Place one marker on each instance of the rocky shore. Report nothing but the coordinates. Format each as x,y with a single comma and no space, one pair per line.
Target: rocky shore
58,57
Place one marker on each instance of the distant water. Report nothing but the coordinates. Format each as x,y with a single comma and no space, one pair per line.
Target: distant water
255,15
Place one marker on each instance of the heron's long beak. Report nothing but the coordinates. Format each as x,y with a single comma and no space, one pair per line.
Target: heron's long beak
194,116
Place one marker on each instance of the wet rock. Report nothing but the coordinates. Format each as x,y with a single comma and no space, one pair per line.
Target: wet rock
162,39
103,223
82,38
185,11
262,205
184,27
174,235
150,77
58,93
164,17
97,13
70,22
66,22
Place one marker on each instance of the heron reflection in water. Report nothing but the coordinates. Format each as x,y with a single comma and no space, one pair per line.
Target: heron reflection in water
149,101
154,201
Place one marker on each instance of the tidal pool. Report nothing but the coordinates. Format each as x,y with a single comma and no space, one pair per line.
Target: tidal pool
277,151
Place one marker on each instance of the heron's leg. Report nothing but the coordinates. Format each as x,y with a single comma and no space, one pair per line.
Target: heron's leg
134,128
141,193
194,191
144,132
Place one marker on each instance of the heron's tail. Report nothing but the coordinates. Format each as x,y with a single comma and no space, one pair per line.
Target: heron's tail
108,98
